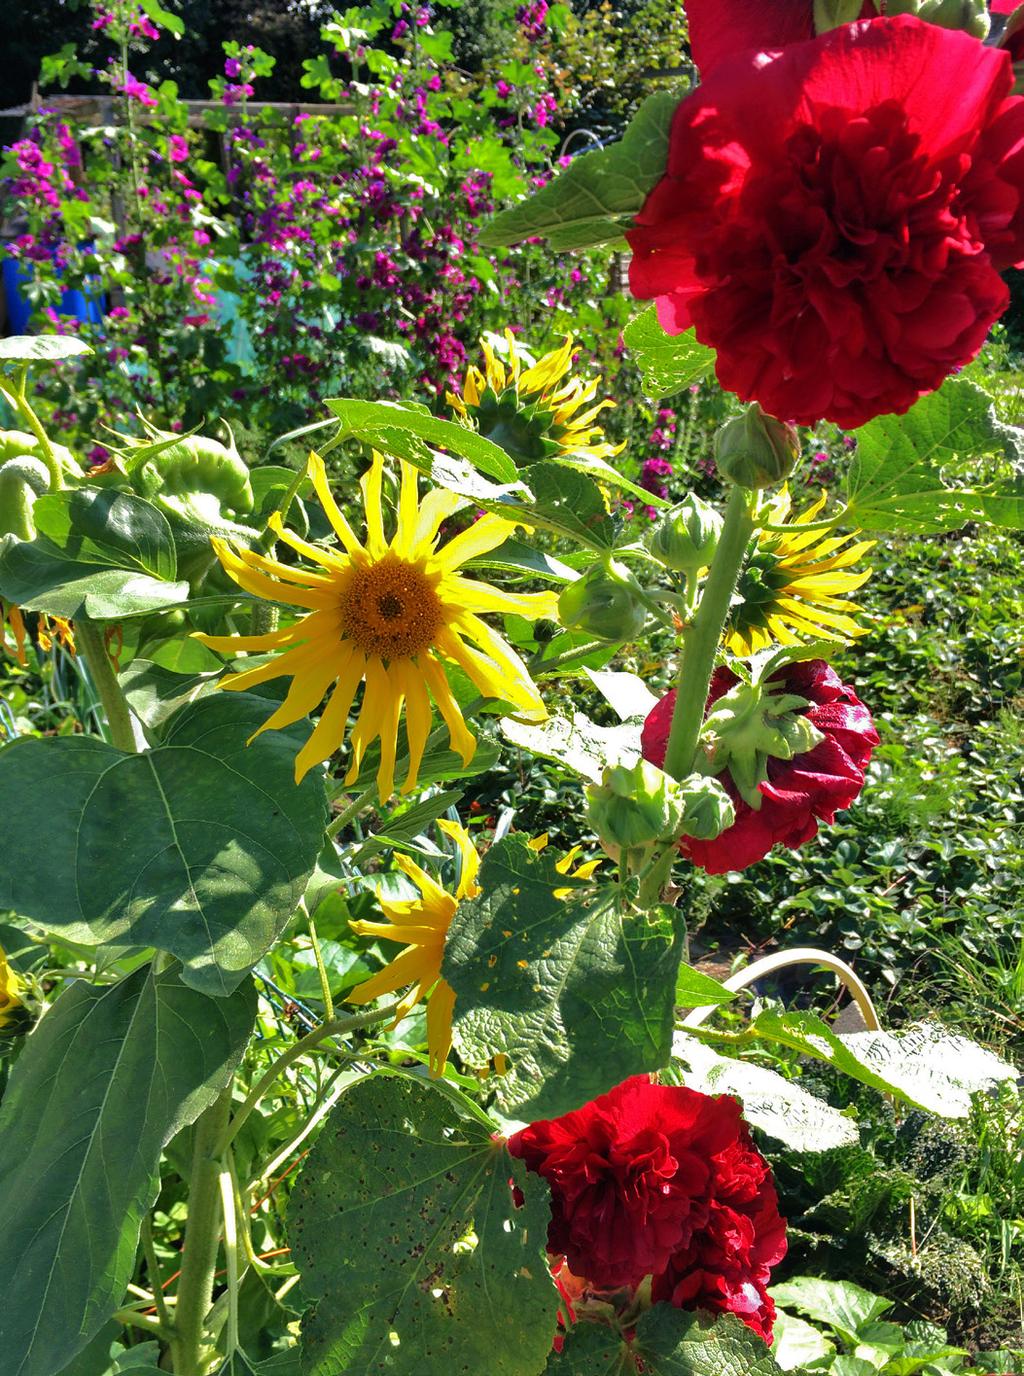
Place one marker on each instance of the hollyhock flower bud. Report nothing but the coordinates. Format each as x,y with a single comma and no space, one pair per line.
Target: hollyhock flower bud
634,805
755,450
606,602
707,808
662,1181
685,539
801,789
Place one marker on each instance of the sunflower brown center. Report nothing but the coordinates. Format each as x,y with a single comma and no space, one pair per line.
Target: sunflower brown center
390,609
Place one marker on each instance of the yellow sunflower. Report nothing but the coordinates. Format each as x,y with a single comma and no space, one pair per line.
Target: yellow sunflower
390,614
790,588
530,409
11,989
421,925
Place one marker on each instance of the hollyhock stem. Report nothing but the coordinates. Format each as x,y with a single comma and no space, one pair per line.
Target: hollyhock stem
701,638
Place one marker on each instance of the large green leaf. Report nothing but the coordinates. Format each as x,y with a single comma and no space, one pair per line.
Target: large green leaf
577,743
366,419
924,1065
840,1305
780,1107
595,199
927,471
200,847
575,993
108,528
667,1342
155,693
108,1077
41,348
418,1261
39,576
668,362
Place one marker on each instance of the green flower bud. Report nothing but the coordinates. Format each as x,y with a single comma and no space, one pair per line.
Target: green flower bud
707,808
830,14
634,805
756,450
607,603
970,15
685,539
22,480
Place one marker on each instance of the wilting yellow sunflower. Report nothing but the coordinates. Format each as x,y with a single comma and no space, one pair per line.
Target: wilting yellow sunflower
390,614
789,590
51,628
529,409
421,924
11,619
11,989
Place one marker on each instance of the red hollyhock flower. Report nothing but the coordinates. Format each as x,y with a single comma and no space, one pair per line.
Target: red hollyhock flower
835,216
799,793
664,1181
720,28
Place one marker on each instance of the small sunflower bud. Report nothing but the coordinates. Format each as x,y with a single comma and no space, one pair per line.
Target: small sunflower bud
707,808
634,805
685,539
755,450
607,603
969,15
22,480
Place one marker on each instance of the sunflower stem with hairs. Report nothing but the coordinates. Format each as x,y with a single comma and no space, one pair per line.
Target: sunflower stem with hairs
390,614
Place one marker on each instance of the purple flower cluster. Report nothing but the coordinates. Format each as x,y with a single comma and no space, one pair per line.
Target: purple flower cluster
532,18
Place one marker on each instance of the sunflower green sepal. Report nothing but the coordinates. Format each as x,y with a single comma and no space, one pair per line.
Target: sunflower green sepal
533,410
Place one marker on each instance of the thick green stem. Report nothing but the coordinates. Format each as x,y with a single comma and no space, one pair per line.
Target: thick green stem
89,640
202,1239
18,400
701,639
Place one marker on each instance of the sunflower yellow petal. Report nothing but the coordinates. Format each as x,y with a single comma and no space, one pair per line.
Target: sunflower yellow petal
327,558
481,537
470,859
334,514
329,731
440,1009
463,741
418,719
371,716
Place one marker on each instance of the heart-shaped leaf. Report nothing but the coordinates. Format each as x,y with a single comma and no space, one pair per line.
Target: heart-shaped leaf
200,847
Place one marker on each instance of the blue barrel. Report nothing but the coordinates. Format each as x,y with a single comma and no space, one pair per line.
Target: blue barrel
87,306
